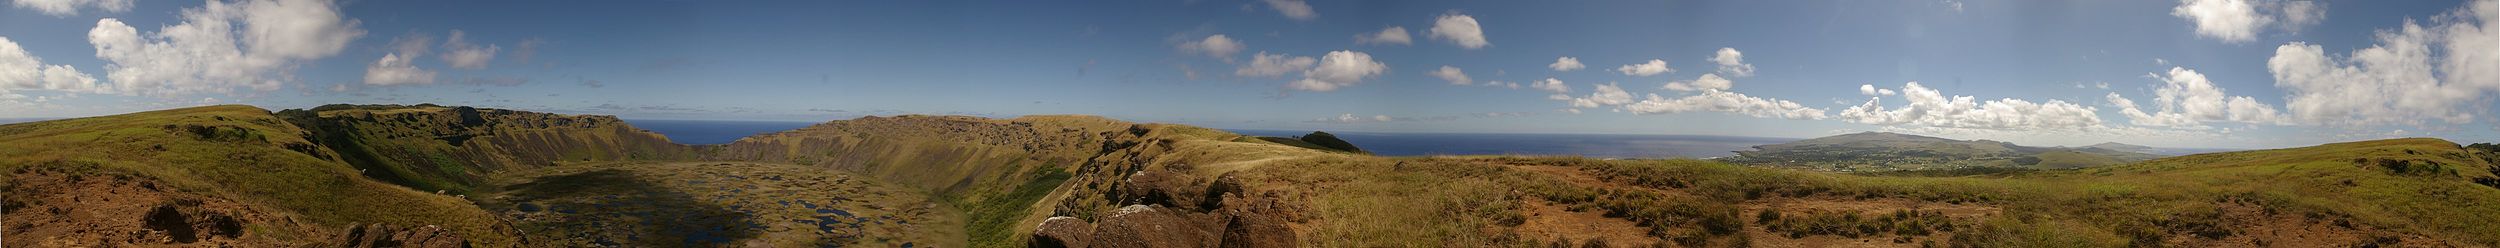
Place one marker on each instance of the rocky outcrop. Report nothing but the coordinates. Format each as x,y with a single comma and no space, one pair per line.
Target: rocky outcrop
386,235
1062,231
1152,226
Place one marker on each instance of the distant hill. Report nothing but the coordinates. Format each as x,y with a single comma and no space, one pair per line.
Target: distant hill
1883,151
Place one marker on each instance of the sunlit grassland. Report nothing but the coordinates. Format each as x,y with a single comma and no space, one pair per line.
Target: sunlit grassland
236,152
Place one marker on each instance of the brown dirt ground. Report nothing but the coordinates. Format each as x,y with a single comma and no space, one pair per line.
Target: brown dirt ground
48,208
1547,221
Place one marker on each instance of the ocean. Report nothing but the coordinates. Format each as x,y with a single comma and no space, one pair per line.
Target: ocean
1588,145
701,132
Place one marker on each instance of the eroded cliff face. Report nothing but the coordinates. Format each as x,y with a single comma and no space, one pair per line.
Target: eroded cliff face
451,149
1094,176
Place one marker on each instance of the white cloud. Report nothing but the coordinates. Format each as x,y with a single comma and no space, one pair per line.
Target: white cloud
1653,67
1710,81
1555,86
1391,35
1732,62
1498,83
395,70
1728,102
66,8
1566,64
1452,74
1459,29
1293,9
1216,46
1339,69
1605,95
2401,80
1870,90
1931,108
1272,65
2299,15
221,46
2187,100
21,70
460,54
2231,21
2236,21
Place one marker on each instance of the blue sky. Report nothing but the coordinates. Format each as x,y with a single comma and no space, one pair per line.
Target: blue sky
2035,72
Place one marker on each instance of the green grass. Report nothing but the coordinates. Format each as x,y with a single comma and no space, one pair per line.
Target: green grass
993,220
243,156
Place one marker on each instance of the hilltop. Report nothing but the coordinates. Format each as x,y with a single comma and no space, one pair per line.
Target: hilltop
1884,151
437,176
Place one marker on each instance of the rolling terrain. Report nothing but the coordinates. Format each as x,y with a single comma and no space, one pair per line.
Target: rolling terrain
243,176
1879,152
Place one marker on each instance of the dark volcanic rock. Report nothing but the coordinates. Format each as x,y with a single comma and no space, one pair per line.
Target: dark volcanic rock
1063,231
386,235
1159,187
1150,226
1255,230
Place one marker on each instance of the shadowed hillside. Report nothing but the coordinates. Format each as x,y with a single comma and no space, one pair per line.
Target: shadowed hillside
431,147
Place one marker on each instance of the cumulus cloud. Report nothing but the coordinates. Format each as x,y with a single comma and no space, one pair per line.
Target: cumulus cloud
1870,90
1566,64
1391,35
393,69
1452,74
2237,21
222,45
1293,9
1732,62
2299,15
2187,99
1605,95
460,54
1706,82
1339,69
2229,20
1727,102
1459,29
1273,65
1552,85
1216,46
1654,67
66,8
2414,73
1931,108
22,70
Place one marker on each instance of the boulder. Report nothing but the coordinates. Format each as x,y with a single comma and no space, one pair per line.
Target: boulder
1150,226
1063,231
386,235
1255,230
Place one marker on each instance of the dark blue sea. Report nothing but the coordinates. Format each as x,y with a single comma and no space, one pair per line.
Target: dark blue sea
1589,145
698,132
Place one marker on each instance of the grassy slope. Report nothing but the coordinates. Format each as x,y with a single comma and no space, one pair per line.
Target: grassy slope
453,148
2156,200
239,152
